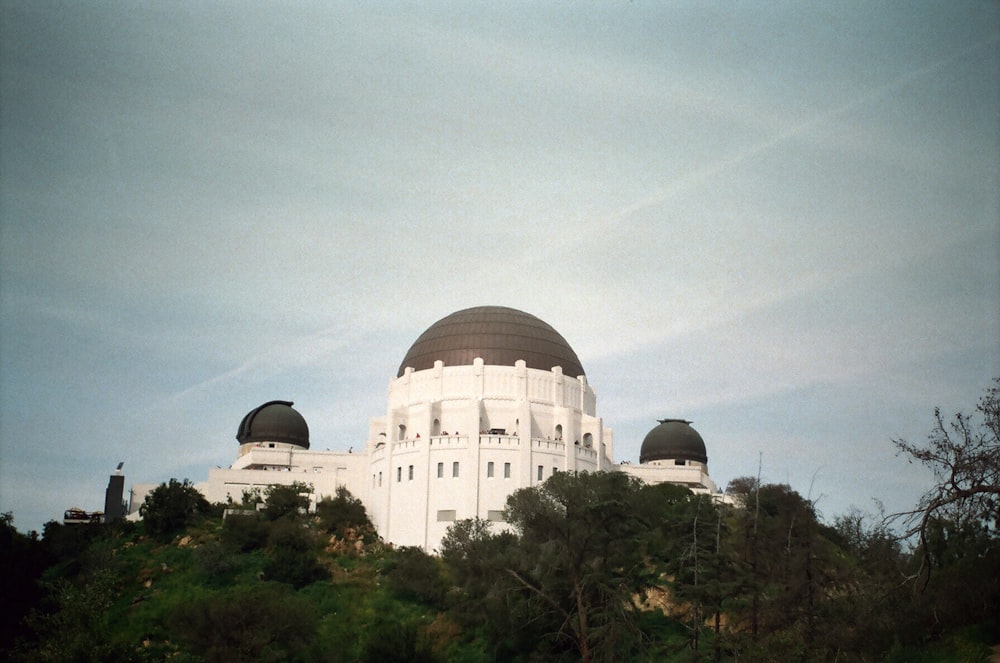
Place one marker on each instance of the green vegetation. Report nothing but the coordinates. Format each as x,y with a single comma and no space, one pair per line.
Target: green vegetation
171,507
597,567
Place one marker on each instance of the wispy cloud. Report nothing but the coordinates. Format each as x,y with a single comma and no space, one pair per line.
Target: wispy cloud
805,128
312,350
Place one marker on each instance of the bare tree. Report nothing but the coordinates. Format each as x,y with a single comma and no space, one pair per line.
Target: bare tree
964,455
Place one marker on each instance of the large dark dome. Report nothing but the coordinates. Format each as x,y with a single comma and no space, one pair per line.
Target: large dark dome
274,421
673,439
499,335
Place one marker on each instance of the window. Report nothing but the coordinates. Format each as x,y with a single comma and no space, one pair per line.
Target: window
373,481
680,462
446,515
554,470
494,516
506,470
410,472
454,469
380,479
399,474
489,469
440,470
540,470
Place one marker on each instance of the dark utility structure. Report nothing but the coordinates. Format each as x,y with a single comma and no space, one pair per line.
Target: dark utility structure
114,505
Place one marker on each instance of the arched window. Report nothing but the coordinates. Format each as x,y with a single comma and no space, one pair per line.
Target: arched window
588,440
436,427
558,431
402,432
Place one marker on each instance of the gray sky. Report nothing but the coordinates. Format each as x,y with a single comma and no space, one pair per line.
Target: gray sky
781,221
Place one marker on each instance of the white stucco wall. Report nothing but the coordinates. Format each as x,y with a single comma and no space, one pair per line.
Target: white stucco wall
694,475
464,418
261,466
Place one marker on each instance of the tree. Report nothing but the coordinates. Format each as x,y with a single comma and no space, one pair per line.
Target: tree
344,512
583,557
698,554
289,501
293,553
484,596
76,627
21,564
964,455
171,507
414,575
790,574
245,532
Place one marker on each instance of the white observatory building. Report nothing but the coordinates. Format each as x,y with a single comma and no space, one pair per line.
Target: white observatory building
486,401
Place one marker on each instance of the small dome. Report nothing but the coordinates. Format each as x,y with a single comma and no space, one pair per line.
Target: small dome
274,421
499,335
673,439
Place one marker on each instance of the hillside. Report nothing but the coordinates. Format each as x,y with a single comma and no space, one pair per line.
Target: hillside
602,568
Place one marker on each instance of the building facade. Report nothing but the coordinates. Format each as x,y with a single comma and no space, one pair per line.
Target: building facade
486,401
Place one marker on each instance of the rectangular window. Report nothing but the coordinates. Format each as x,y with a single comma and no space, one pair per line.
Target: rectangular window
410,473
540,470
380,479
679,462
399,474
446,515
489,469
454,469
440,470
373,481
494,516
506,470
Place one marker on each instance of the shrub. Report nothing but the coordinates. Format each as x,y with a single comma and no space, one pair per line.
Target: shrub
248,623
297,568
171,507
338,514
291,535
290,501
213,560
245,533
416,576
392,639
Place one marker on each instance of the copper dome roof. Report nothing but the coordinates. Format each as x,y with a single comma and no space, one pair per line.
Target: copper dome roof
499,335
673,439
274,421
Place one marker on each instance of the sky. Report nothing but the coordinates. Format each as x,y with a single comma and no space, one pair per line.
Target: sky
778,220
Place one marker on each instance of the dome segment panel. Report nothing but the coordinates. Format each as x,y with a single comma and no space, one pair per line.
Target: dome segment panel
499,335
673,439
274,421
